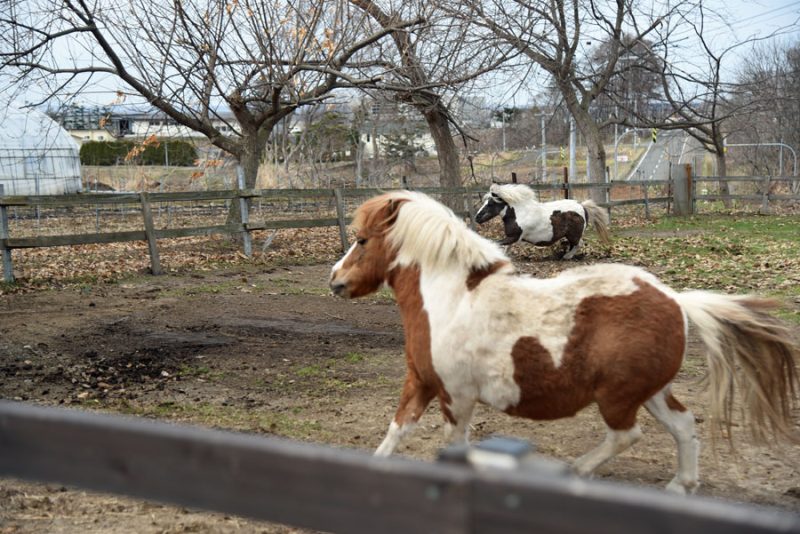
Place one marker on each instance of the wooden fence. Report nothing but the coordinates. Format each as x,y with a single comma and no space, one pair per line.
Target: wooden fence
340,490
667,194
244,199
761,191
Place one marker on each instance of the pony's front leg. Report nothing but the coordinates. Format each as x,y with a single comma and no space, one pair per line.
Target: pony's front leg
508,240
415,398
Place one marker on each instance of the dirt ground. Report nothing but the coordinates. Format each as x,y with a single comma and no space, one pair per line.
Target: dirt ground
272,352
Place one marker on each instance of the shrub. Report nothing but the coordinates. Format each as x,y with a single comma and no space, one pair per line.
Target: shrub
180,153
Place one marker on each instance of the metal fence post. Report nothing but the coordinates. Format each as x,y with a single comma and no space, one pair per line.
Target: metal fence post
8,268
150,232
247,241
340,216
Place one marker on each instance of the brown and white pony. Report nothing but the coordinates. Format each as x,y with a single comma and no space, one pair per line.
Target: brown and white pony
546,348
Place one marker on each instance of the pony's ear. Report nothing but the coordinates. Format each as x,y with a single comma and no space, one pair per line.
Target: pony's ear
392,209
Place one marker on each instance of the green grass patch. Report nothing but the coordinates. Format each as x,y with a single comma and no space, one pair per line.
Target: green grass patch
309,371
354,357
735,254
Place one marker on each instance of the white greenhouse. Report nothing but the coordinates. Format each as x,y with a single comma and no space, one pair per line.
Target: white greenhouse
37,156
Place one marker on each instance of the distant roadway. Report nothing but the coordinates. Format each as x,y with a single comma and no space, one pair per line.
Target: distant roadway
671,145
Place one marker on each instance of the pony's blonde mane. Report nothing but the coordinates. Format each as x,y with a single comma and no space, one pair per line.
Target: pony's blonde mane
514,193
426,233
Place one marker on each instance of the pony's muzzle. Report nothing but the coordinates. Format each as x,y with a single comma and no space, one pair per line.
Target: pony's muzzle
339,288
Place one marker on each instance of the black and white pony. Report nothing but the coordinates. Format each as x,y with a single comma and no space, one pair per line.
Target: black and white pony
541,223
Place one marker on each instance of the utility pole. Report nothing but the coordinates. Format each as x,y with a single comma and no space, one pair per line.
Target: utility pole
544,151
616,145
503,117
573,140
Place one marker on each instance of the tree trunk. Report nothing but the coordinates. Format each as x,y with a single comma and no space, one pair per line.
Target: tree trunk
359,161
447,153
253,148
722,172
596,152
446,150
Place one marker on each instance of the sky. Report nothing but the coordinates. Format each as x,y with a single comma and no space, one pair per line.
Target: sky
744,19
728,22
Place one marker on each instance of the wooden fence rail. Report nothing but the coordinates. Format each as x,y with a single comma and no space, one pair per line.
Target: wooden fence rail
339,197
244,197
339,490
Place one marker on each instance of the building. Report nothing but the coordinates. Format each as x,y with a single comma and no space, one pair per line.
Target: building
106,123
37,155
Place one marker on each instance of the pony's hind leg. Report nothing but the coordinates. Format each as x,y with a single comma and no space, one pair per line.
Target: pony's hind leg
571,250
680,423
620,416
616,442
413,401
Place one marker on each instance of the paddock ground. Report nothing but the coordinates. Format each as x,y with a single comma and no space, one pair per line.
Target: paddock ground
267,350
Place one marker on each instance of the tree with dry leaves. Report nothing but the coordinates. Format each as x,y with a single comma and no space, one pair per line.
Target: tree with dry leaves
192,60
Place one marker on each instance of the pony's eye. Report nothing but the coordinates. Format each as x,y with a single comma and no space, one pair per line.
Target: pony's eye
361,241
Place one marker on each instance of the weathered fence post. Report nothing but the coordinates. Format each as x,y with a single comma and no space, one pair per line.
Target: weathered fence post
340,216
566,183
8,268
646,202
513,177
150,232
470,210
247,242
765,197
681,177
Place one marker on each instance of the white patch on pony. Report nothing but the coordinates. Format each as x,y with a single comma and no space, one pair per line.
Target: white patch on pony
338,264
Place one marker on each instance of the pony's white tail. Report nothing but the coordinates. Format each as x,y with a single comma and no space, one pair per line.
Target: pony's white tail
598,217
749,350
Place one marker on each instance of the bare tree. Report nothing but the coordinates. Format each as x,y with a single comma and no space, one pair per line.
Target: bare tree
557,35
771,79
262,60
428,65
700,101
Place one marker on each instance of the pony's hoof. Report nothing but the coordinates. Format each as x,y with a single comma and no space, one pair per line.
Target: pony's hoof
682,488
